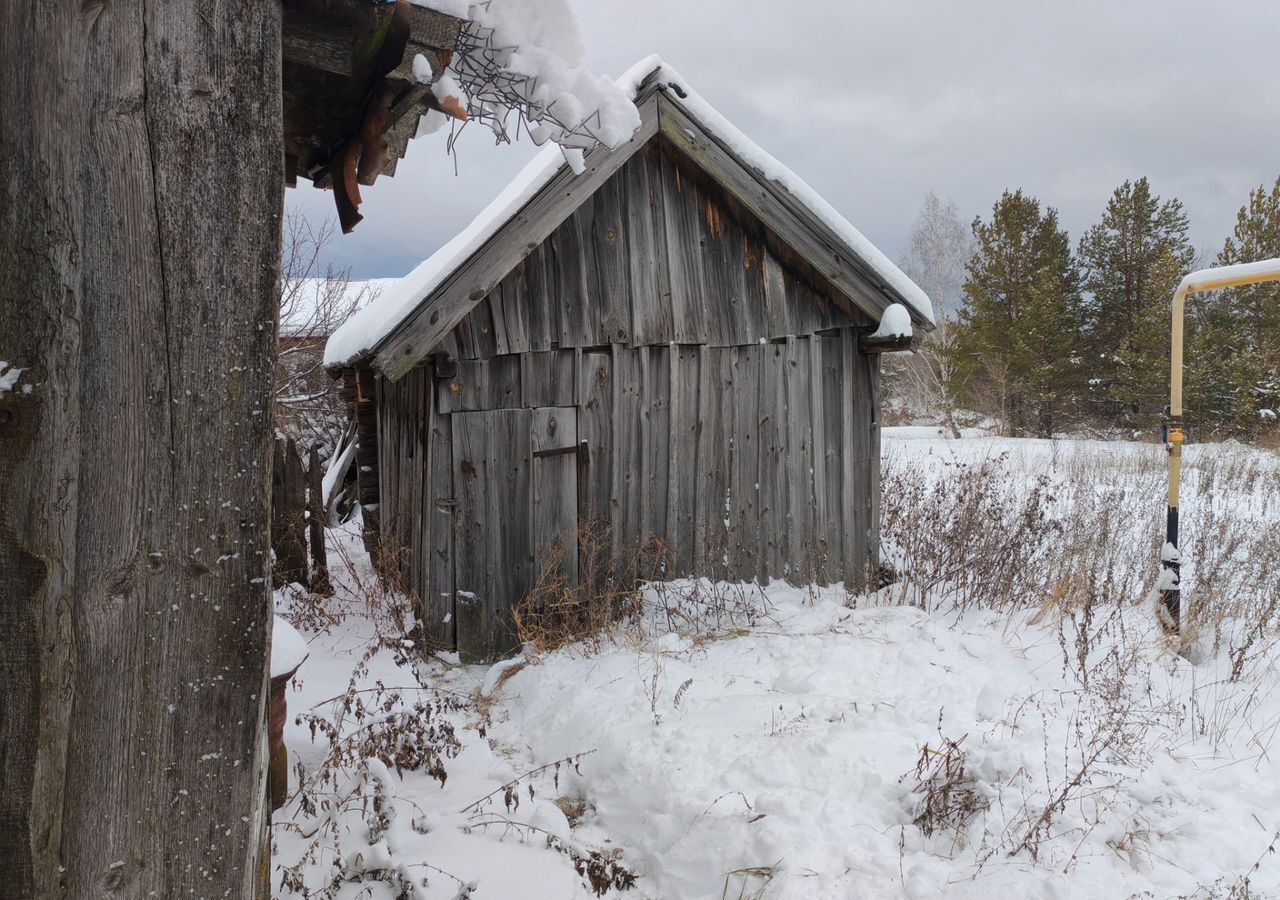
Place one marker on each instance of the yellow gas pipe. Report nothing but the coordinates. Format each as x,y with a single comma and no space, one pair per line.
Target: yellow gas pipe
1196,282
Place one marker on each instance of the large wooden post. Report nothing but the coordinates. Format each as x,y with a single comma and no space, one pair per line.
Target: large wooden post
141,180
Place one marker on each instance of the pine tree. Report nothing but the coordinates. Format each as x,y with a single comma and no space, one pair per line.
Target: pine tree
1020,328
1234,352
1132,260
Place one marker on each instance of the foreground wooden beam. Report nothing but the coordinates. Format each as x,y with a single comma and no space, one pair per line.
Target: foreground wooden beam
871,345
140,205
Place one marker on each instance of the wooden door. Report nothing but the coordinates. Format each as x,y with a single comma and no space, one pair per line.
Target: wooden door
515,480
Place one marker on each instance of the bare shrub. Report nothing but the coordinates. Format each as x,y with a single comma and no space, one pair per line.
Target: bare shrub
558,612
628,590
967,539
601,870
947,797
1078,539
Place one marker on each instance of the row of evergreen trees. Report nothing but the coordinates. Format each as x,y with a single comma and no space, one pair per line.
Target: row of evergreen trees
1047,338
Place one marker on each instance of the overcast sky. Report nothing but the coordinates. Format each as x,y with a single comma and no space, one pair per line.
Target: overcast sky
876,104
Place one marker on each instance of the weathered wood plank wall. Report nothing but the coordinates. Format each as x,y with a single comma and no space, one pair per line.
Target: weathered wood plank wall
658,254
715,380
773,439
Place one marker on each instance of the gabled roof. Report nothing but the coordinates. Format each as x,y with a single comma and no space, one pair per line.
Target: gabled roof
409,320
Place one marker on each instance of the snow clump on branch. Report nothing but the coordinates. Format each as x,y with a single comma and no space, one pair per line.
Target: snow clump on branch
525,56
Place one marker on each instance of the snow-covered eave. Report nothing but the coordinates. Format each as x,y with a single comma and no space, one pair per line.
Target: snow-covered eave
368,333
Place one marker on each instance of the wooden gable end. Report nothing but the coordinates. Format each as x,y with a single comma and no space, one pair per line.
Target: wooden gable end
660,253
703,250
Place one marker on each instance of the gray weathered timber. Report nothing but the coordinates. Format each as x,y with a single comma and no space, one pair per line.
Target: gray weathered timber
605,234
715,487
555,492
744,518
439,622
779,211
832,448
477,277
709,369
773,475
682,236
648,273
749,463
595,420
516,511
472,482
141,180
872,365
628,454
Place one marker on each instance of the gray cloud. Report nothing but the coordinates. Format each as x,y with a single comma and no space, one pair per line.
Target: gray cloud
875,104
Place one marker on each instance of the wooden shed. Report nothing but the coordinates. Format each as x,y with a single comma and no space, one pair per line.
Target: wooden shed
681,342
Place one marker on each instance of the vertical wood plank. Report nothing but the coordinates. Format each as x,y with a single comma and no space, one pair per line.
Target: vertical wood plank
854,446
833,420
475,333
471,479
656,384
608,260
703,520
801,502
628,453
577,316
745,520
722,274
540,298
777,312
755,311
416,464
647,249
497,315
508,458
684,243
555,493
817,410
872,366
724,451
773,462
441,510
681,448
595,423
644,496
515,313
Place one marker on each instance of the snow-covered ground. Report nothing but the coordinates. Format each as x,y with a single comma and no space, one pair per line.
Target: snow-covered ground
917,742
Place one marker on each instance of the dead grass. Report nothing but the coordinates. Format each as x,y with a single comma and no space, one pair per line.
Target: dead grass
1077,536
560,611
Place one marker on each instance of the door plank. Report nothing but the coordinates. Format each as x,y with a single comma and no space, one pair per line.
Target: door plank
555,491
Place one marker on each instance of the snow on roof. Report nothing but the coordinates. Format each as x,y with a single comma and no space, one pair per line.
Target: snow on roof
895,322
315,307
772,170
456,8
368,327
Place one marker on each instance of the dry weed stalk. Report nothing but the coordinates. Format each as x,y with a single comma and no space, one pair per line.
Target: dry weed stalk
947,797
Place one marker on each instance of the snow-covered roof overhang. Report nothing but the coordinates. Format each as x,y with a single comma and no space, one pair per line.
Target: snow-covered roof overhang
409,320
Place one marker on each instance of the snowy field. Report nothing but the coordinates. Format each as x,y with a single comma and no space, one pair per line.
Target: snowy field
1006,719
